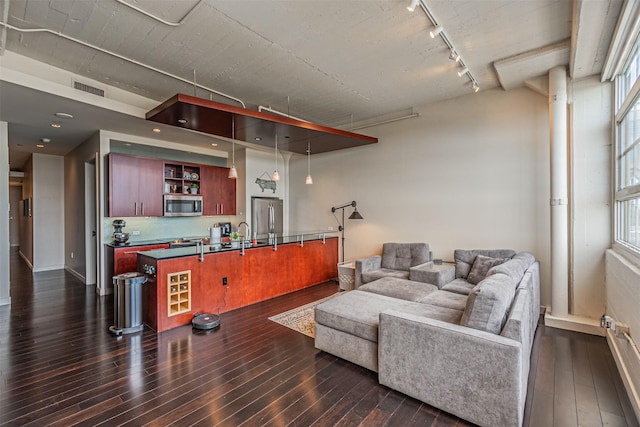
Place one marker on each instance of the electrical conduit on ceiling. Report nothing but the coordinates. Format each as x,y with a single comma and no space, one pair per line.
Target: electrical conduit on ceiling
157,18
117,55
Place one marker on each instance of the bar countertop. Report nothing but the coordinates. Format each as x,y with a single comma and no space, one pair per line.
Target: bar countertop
162,254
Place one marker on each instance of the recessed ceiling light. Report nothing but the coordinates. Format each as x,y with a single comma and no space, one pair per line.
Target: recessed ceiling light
156,130
213,144
64,115
127,144
56,125
257,138
45,140
40,145
182,121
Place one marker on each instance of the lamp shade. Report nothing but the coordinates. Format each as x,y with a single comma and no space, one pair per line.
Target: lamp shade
355,214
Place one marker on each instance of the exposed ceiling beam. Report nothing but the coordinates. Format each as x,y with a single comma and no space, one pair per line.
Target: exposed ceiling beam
593,25
514,71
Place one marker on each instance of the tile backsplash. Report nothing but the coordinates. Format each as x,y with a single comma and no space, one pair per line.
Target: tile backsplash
152,228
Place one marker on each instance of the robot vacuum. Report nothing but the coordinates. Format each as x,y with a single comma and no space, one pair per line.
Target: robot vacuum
205,321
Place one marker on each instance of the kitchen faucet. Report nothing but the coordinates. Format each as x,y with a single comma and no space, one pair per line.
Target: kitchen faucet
200,247
248,230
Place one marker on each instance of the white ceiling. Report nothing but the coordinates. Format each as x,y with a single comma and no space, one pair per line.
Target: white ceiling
333,62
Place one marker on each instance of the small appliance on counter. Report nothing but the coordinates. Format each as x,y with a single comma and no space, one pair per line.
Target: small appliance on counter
225,229
119,237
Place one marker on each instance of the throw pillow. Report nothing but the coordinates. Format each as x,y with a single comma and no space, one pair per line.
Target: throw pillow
481,265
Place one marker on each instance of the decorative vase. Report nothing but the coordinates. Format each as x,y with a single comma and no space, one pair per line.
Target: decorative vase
194,190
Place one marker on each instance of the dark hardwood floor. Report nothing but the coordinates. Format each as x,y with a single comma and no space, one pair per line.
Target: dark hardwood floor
59,366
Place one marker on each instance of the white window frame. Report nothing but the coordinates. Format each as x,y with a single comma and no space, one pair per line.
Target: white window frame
624,103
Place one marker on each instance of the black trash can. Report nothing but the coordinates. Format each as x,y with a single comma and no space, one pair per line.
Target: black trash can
127,303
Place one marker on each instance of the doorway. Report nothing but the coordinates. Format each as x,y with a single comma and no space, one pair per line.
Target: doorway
90,223
15,195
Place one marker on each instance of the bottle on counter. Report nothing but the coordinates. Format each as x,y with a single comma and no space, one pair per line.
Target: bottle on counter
254,242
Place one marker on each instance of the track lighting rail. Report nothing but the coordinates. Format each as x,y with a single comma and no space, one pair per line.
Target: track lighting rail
438,30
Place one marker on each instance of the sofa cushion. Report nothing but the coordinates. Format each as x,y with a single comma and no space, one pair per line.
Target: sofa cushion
446,299
481,265
358,313
400,288
515,267
401,256
489,303
370,276
464,258
459,286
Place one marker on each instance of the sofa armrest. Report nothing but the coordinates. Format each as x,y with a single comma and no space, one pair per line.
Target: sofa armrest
366,264
473,374
429,272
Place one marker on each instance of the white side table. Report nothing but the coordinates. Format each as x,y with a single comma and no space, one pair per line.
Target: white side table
347,275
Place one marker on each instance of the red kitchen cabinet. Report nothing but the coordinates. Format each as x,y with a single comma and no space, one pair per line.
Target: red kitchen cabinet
218,191
135,186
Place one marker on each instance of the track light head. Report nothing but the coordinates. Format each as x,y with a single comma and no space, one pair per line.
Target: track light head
462,72
437,30
454,56
413,5
475,87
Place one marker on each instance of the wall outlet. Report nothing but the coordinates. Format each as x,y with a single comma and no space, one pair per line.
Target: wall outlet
224,281
330,228
135,232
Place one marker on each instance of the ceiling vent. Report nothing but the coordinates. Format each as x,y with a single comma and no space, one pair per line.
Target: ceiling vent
89,89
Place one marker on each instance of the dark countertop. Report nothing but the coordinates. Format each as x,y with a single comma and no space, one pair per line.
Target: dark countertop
149,242
161,254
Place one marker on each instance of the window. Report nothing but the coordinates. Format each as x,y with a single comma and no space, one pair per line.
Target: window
627,195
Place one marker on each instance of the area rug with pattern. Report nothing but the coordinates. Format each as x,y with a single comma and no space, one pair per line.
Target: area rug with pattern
301,319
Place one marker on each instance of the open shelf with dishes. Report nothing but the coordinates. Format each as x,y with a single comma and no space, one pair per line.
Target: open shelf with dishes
178,292
181,178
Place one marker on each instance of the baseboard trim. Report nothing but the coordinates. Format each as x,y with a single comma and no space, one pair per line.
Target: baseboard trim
574,323
624,369
48,268
76,274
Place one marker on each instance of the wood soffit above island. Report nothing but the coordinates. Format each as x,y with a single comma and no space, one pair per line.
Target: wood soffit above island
254,127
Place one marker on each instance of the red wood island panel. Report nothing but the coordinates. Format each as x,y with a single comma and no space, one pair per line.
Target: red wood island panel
260,274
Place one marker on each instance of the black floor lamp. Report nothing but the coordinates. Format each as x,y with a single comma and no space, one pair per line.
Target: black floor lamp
354,215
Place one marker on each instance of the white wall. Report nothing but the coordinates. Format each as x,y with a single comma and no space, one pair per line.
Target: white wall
471,172
590,194
74,198
48,212
4,217
260,164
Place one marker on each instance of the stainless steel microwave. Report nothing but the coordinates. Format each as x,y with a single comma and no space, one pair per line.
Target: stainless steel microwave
178,205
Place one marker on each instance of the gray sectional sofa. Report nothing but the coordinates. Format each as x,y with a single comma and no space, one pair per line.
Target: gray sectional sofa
462,344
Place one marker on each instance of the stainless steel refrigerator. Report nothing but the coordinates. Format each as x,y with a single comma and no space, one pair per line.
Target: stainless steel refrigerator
266,216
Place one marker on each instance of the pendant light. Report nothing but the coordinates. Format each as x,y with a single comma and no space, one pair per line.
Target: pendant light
233,172
308,180
275,176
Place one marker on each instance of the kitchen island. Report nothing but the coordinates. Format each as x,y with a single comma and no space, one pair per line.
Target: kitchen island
214,279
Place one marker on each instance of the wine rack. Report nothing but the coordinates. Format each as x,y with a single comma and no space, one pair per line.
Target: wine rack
179,292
